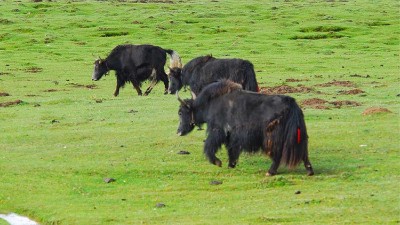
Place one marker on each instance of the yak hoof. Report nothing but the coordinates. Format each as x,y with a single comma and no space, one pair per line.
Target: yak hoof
218,163
270,174
310,173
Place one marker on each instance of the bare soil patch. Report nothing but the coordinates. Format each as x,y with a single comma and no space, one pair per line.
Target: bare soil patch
340,104
284,89
315,103
3,94
7,104
352,92
375,110
295,80
344,83
88,86
34,69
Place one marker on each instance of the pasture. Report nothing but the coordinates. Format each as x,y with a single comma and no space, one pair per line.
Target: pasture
62,134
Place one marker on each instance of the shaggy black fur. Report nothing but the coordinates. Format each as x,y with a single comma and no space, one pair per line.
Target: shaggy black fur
204,70
248,121
135,64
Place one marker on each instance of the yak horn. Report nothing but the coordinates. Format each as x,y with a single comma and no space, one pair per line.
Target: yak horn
181,100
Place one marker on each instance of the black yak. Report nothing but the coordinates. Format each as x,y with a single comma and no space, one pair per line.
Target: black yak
135,64
247,121
204,70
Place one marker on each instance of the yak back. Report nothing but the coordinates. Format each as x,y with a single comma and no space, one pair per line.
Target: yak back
135,56
204,70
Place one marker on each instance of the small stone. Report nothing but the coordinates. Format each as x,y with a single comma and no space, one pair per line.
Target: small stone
160,205
297,192
215,182
109,180
183,152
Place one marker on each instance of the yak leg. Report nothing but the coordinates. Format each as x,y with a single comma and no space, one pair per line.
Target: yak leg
119,85
164,79
153,82
233,154
308,166
137,87
276,160
212,144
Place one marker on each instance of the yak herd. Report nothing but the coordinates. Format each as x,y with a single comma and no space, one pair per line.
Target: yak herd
224,96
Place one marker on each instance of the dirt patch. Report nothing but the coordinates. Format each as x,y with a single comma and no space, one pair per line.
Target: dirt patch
340,104
284,89
51,90
295,80
3,94
34,69
4,73
352,92
344,83
88,86
7,104
315,103
375,110
360,76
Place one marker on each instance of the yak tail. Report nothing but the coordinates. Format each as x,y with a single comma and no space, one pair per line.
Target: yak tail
288,136
250,83
175,59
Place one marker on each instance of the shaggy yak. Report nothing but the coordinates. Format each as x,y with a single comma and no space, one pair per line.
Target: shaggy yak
204,70
135,64
247,121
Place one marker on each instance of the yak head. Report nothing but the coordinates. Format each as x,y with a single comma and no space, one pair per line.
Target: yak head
175,80
100,68
186,117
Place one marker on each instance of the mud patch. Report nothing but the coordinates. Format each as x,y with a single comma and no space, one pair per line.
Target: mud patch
340,104
3,94
7,104
284,89
375,110
88,86
352,92
344,83
315,103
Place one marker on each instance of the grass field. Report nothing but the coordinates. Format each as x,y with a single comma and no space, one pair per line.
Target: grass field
61,134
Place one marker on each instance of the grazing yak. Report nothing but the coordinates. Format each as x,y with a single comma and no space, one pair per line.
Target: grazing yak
135,64
247,121
204,70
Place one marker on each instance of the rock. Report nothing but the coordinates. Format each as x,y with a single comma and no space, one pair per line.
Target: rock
160,205
109,180
183,152
297,192
215,182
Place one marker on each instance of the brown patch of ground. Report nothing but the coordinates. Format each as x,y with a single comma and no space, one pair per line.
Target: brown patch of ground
33,69
344,83
284,89
295,80
375,110
352,92
50,90
4,73
340,104
7,104
4,94
89,86
315,103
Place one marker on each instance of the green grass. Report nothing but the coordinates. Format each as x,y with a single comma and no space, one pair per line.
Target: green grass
66,136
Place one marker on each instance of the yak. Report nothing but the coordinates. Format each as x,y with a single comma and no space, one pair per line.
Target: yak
204,70
135,64
247,121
